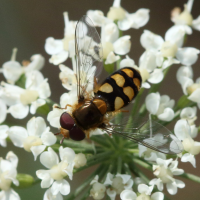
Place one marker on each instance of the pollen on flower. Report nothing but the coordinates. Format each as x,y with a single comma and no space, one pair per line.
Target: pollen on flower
28,96
116,13
186,16
192,88
143,197
189,146
107,48
30,141
168,49
145,74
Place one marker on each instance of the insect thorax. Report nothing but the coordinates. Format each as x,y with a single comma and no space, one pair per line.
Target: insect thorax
90,114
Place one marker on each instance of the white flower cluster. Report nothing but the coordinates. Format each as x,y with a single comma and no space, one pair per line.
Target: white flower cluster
57,171
34,92
121,185
8,175
111,41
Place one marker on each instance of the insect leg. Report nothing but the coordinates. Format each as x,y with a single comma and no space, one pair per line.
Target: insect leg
64,107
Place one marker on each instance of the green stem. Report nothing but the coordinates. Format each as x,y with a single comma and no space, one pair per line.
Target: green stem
70,143
133,151
119,165
102,173
96,159
84,184
191,177
138,172
100,140
142,163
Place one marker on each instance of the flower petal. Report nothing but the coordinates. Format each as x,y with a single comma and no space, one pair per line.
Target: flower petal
128,194
167,115
19,111
56,59
37,150
17,135
36,126
111,58
61,186
187,55
122,45
48,138
150,40
49,158
152,102
53,46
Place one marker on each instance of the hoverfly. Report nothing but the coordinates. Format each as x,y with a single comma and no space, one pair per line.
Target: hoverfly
117,91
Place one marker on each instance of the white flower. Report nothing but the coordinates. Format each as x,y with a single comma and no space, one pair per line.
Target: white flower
128,195
57,171
183,73
127,20
3,111
160,106
97,17
189,114
61,49
117,184
183,132
12,70
49,196
145,194
164,170
169,49
111,58
98,190
18,99
150,154
185,17
35,139
68,76
8,174
192,89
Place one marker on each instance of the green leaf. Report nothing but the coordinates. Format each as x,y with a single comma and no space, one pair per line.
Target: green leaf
21,81
109,68
43,110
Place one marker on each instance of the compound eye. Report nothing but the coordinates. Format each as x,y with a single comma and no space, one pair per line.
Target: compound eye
76,134
66,121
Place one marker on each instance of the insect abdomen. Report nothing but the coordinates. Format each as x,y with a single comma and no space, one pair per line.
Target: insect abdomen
120,88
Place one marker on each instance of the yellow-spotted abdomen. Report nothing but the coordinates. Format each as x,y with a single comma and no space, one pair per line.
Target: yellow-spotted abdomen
120,88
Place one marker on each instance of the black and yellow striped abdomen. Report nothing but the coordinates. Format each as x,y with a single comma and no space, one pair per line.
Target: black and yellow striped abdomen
120,88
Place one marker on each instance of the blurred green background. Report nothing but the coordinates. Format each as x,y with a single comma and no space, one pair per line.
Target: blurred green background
26,24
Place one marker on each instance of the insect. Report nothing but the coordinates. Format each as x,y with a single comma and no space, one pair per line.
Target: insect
117,91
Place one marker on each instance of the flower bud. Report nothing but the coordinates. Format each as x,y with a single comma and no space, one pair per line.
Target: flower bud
25,180
80,160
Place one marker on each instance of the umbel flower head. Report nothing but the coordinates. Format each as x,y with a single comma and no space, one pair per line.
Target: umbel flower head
122,142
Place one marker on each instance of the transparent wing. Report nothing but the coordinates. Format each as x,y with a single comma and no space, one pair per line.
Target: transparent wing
149,133
89,54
